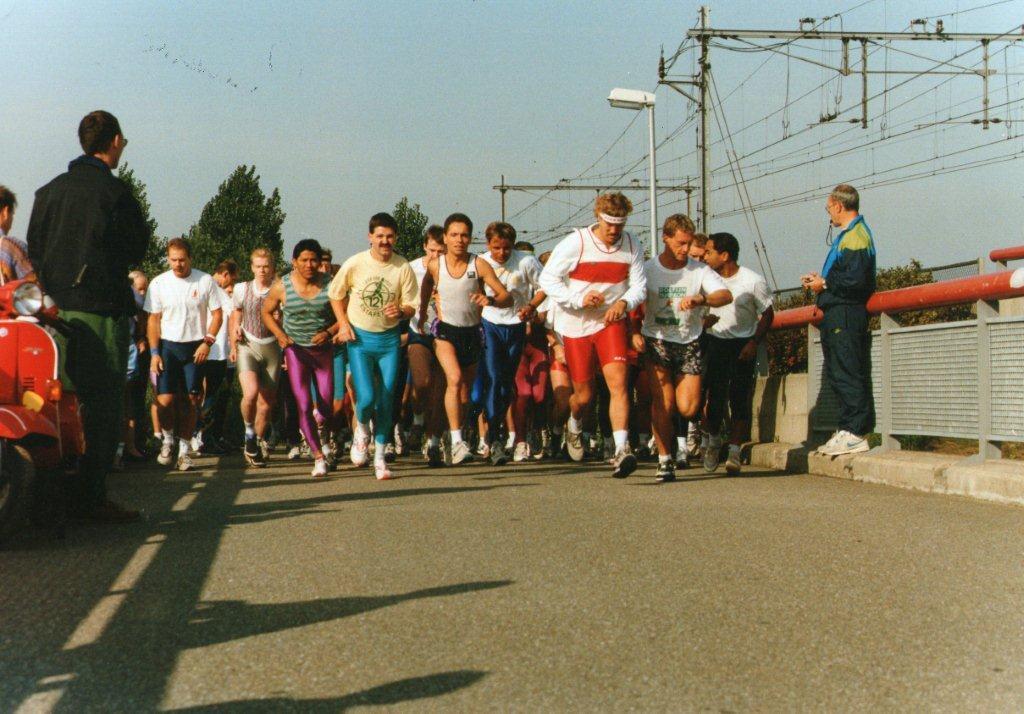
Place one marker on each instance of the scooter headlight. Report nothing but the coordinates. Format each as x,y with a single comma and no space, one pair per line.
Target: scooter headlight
28,299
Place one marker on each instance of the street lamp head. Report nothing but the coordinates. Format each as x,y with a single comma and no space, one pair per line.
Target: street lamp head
630,99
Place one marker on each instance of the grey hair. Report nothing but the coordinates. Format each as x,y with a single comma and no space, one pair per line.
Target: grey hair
846,196
132,276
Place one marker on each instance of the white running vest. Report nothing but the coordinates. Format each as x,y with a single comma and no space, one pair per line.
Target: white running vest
453,294
599,268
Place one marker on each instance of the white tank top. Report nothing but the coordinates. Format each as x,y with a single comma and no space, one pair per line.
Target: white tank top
453,294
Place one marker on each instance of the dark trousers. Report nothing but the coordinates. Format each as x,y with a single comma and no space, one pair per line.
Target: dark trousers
729,381
845,342
213,413
97,360
503,348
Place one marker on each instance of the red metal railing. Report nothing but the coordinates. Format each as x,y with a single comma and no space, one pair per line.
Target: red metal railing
990,286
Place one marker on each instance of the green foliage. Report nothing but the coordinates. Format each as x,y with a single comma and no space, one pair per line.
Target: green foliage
412,227
236,221
787,349
154,262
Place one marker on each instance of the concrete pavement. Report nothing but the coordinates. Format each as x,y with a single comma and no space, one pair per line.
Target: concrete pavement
535,587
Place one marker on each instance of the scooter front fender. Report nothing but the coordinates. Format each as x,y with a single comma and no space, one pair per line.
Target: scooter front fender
17,422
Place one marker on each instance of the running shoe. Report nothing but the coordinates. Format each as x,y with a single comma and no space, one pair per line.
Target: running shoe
846,443
499,457
399,441
682,459
360,452
547,445
574,445
166,455
624,463
253,454
265,449
382,472
390,453
732,463
693,443
666,472
608,452
461,453
643,451
435,459
712,454
304,450
294,453
522,452
320,468
185,462
415,440
824,448
483,450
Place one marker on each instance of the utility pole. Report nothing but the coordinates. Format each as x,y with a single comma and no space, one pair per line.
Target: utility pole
503,190
705,148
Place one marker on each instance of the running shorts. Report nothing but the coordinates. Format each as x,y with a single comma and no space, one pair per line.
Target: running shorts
467,341
677,357
608,345
180,371
262,358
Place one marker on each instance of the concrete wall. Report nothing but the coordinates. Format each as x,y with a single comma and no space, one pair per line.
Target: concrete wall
781,411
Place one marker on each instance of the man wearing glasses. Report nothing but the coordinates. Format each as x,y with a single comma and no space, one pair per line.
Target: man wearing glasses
86,230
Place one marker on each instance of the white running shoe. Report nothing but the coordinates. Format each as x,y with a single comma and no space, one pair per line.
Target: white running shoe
185,463
483,451
846,443
682,459
294,453
461,452
574,444
833,440
360,452
166,455
196,443
522,452
320,468
399,441
382,471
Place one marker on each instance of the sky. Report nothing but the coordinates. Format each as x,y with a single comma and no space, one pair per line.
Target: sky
347,107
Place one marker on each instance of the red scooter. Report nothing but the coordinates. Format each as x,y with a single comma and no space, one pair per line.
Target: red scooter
41,434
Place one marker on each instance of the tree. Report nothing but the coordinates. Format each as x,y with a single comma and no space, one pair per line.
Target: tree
236,221
412,226
154,262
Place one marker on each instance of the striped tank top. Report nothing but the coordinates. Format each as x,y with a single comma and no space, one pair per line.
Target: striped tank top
453,294
252,313
304,318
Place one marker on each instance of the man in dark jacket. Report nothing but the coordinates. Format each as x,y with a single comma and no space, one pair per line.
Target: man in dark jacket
846,282
85,231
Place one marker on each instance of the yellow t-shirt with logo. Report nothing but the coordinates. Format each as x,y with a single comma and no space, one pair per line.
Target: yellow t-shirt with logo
371,285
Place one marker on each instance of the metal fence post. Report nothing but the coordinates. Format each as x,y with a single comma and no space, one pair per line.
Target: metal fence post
987,449
889,442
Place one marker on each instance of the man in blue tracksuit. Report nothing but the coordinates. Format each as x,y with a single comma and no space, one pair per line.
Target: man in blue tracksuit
846,282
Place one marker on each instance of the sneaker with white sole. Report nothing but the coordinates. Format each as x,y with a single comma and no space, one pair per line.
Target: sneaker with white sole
574,444
185,462
196,442
294,453
360,451
483,450
399,441
733,465
847,443
521,452
666,472
390,453
624,462
320,468
830,443
166,455
461,453
682,459
382,471
499,457
712,454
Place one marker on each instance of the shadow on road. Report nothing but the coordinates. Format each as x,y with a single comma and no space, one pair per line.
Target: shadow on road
404,690
91,625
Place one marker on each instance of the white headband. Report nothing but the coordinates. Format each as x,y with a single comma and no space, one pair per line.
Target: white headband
614,220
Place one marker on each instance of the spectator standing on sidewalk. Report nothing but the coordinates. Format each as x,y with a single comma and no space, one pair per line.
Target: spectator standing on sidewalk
846,282
85,231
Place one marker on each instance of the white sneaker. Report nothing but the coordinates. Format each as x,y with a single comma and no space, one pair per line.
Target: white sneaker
847,443
521,452
692,444
320,468
294,453
399,441
461,452
382,471
360,452
483,450
185,463
196,442
166,455
574,444
712,454
682,459
733,465
830,443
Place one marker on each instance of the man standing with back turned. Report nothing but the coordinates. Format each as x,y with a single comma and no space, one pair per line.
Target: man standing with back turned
843,288
85,231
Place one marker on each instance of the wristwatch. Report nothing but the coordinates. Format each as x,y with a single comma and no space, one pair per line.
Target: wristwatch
209,339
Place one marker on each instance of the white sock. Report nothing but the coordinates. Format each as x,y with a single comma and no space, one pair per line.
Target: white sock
691,429
680,443
575,426
183,447
361,431
456,436
378,455
158,435
434,441
250,430
664,458
511,441
167,436
418,419
621,437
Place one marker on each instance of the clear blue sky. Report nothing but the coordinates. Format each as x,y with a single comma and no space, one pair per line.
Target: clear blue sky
347,107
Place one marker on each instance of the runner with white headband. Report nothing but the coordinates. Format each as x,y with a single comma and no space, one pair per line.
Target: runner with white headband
596,275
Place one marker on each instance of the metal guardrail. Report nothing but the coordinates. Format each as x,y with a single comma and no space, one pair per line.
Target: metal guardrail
954,379
939,273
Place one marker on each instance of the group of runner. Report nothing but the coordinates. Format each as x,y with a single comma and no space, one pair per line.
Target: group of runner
535,355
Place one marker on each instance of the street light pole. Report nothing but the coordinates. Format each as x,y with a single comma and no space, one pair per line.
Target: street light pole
653,181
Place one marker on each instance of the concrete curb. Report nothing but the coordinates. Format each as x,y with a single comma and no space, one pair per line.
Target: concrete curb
1000,481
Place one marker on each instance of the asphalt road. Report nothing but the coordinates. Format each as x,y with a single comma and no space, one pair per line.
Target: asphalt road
531,588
